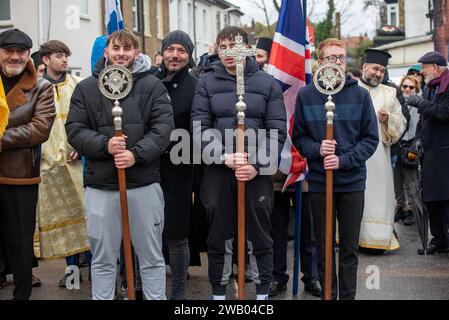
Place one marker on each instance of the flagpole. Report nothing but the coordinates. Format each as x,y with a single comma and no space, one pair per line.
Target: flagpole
298,204
297,249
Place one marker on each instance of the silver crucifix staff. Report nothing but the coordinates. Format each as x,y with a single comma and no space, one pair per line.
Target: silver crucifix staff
239,53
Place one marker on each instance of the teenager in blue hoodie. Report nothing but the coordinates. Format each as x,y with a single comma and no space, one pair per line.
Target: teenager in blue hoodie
355,140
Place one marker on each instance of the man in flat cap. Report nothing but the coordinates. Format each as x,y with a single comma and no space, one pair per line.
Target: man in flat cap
177,49
433,132
32,111
263,49
376,233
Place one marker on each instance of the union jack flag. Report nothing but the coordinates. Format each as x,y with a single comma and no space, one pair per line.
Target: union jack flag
290,65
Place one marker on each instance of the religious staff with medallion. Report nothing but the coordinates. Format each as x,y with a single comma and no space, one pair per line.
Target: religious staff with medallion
344,152
115,141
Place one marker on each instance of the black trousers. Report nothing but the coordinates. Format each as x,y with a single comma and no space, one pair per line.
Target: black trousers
219,195
17,226
439,222
279,225
348,209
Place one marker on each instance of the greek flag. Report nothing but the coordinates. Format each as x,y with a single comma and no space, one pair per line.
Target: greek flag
114,18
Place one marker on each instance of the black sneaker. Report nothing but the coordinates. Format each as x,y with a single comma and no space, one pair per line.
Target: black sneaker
276,289
314,288
410,219
433,249
399,215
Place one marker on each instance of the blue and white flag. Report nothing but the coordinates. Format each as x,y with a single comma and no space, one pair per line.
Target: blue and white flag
114,18
114,22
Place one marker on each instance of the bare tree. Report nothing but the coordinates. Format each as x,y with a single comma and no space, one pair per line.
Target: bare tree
372,3
276,5
262,6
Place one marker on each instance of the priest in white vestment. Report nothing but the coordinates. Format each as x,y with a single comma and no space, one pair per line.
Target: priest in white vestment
378,216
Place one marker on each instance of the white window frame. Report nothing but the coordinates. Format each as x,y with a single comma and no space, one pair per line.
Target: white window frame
159,20
7,22
204,27
85,4
146,17
135,15
179,14
218,21
393,8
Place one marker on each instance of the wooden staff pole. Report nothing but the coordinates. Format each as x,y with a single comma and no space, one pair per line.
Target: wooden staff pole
126,235
330,106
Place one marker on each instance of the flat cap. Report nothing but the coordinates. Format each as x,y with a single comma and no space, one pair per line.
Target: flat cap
15,38
433,57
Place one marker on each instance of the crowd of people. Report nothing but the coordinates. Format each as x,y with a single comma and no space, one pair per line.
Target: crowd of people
59,158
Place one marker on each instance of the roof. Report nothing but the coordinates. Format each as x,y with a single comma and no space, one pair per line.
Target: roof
406,42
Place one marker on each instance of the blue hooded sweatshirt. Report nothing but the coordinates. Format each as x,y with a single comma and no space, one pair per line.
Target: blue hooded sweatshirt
355,130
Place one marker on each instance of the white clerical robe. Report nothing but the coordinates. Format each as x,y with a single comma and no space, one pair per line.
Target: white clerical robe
378,216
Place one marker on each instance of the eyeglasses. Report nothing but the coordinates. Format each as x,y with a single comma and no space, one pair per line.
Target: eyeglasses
404,86
333,58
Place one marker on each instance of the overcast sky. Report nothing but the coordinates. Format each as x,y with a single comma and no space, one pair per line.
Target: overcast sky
354,22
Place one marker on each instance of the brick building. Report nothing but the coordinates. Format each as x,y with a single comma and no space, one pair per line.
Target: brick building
149,20
440,17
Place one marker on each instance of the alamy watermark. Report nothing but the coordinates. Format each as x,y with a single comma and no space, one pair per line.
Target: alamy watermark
207,146
74,278
373,280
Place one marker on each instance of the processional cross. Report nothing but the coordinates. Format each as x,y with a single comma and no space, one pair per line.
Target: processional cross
239,52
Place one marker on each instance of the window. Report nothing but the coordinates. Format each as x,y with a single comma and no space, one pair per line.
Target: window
392,13
159,20
135,16
205,22
226,21
218,18
180,14
84,8
393,19
5,10
190,18
146,20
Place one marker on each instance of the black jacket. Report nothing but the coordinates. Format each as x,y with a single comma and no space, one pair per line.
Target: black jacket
181,87
177,180
215,99
147,122
433,129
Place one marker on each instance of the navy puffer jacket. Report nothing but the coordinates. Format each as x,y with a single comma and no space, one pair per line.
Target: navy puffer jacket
215,99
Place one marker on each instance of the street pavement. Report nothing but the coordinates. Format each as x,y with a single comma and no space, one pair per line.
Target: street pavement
398,275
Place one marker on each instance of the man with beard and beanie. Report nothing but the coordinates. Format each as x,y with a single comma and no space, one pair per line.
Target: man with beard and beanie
62,229
376,233
177,179
214,108
355,140
147,124
433,133
32,112
263,49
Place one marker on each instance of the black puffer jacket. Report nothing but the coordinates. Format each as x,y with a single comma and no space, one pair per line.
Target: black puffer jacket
147,122
215,99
